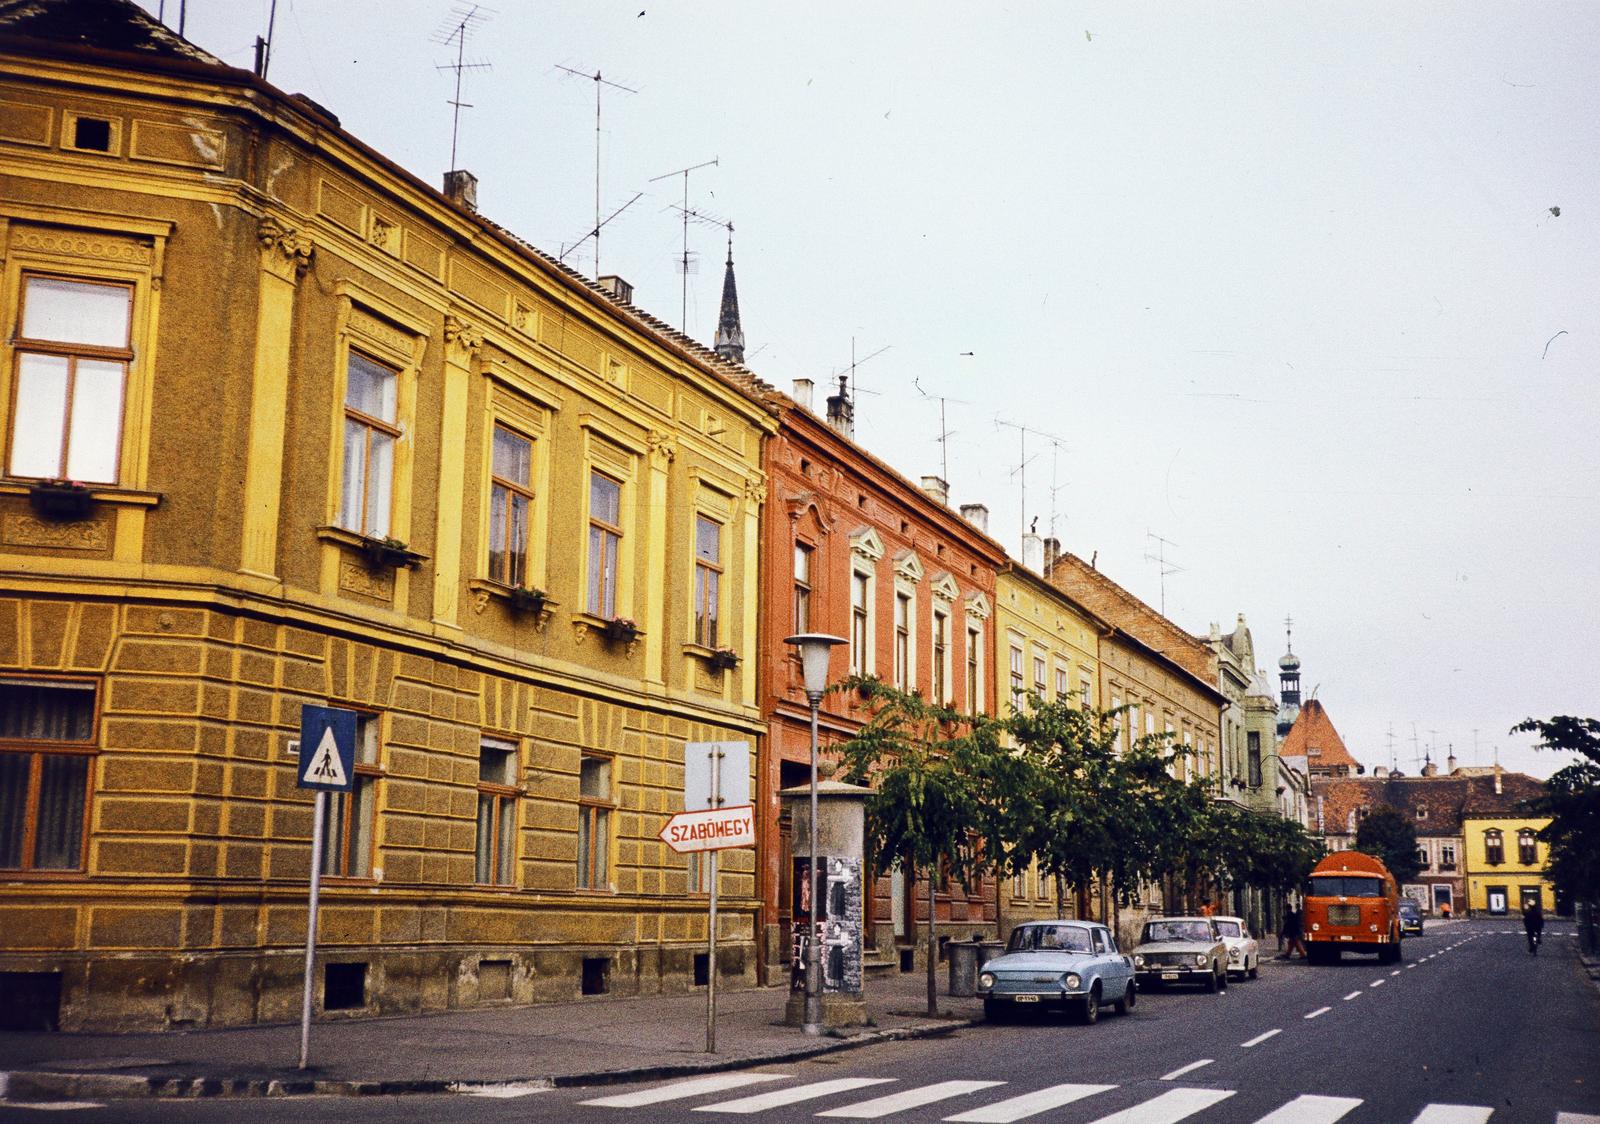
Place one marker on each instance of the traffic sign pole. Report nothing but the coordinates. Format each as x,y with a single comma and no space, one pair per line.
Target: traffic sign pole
711,963
319,821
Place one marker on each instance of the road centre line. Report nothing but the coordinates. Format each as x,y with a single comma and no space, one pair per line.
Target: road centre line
907,1099
716,1083
1319,1011
1028,1104
1171,1106
1190,1068
1410,966
1396,972
1377,983
778,1098
1352,995
1260,1038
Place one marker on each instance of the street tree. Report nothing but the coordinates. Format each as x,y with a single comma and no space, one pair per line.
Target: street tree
1389,836
1572,801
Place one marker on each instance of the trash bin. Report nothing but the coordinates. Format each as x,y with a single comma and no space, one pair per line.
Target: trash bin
963,967
988,950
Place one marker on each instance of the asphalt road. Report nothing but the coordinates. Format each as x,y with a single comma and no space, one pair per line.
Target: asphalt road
1468,1028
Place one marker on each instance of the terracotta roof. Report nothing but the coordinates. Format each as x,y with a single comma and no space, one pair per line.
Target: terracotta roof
1483,800
105,25
1313,737
1106,599
1447,799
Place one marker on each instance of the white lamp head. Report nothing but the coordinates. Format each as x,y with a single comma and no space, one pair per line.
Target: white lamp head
814,649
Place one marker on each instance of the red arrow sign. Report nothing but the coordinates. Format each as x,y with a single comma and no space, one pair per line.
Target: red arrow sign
715,829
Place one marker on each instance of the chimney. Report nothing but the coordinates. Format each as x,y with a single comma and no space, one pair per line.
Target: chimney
1450,762
1033,552
1381,771
1052,553
1498,789
617,287
802,393
936,490
841,413
461,187
977,514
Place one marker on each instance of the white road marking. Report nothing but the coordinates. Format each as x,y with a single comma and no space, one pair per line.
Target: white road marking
507,1091
1352,995
1029,1104
911,1098
1311,1109
1453,1114
1260,1038
50,1106
1396,972
1168,1107
1410,966
1576,1118
760,1102
716,1083
1190,1068
1377,983
1319,1011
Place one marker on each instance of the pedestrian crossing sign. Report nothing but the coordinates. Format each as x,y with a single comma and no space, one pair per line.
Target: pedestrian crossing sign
327,748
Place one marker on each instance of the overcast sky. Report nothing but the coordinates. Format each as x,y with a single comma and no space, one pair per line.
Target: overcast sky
1283,285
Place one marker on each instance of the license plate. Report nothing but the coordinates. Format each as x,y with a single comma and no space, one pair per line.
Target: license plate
1025,998
1346,938
1169,975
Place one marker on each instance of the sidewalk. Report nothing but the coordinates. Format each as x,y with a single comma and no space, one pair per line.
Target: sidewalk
587,1042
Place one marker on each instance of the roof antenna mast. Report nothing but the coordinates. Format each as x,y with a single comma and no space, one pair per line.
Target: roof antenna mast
1164,565
683,315
598,82
1023,460
944,431
463,21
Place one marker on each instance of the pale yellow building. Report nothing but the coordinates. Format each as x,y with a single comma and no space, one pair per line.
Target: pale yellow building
335,438
1505,860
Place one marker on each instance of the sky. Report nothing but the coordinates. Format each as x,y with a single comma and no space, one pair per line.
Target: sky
1307,291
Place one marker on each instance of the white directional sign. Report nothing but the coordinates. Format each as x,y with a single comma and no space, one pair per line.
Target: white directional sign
714,829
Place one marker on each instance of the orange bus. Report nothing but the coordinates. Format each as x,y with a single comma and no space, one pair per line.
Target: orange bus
1351,905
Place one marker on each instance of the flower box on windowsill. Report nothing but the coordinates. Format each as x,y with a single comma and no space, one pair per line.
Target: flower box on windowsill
388,554
525,600
61,501
724,659
621,630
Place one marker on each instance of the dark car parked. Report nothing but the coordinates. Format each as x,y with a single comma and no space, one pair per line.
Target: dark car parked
1410,918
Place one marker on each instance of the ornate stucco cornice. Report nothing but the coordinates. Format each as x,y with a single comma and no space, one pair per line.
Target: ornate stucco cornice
285,250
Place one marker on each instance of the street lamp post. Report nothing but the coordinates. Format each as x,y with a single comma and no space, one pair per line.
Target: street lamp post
815,648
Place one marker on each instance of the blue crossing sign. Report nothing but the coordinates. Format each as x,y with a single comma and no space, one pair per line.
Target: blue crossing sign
327,748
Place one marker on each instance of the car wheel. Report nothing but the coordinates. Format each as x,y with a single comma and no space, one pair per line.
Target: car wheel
1212,984
1130,996
1255,969
992,1011
1089,1009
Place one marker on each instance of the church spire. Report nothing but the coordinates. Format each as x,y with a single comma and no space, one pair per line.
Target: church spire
729,342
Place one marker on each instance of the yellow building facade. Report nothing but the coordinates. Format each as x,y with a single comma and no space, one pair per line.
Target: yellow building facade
1506,863
285,425
1047,645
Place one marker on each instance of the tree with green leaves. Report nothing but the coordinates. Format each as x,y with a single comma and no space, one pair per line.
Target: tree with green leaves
1389,836
927,766
1572,801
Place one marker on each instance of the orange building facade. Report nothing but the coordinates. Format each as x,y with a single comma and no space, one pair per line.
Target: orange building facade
854,549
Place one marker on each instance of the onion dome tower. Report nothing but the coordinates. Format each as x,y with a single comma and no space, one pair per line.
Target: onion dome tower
1288,683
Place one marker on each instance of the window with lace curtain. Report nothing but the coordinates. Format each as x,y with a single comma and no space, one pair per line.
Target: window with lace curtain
47,747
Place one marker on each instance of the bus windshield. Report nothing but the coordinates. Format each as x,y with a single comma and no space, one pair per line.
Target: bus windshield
1344,886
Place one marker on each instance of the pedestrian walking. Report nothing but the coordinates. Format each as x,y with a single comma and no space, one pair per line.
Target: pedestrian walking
1533,924
1290,935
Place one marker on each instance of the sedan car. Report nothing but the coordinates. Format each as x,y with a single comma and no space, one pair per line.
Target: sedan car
1181,950
1244,954
1071,965
1410,918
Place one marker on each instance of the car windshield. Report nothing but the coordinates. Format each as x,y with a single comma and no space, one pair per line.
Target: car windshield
1177,931
1410,909
1049,938
1344,886
1229,929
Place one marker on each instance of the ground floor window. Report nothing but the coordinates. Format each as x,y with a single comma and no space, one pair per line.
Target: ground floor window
47,746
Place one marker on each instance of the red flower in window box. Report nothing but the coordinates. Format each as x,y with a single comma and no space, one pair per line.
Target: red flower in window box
621,630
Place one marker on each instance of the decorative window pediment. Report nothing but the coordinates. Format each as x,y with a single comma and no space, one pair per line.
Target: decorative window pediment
865,542
978,605
907,565
945,588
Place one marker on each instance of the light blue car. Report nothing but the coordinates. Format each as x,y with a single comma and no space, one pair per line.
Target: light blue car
1073,965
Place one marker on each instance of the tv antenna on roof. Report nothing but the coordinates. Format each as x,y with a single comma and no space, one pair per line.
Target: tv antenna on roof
683,315
599,81
595,233
462,22
944,431
1163,564
1023,460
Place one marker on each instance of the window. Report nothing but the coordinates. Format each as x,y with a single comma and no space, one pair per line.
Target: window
699,872
510,498
605,543
594,823
707,579
352,816
1422,857
1063,683
47,745
1447,856
1527,848
860,622
370,434
1017,687
73,345
802,588
902,641
1019,884
497,813
1494,847
1085,691
941,657
1252,741
1122,720
974,670
1422,811
1039,685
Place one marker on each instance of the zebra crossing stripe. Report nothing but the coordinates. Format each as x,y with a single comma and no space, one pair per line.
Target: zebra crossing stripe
695,1087
778,1098
1028,1104
1169,1107
910,1098
1312,1109
1576,1118
1453,1114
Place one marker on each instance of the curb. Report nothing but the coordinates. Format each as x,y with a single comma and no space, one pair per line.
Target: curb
20,1086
